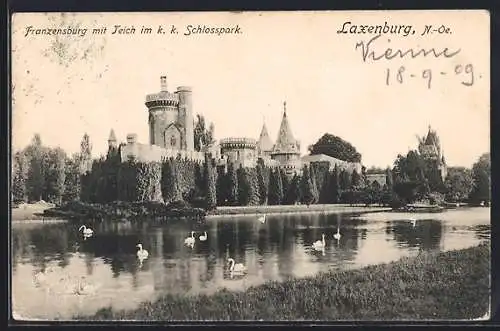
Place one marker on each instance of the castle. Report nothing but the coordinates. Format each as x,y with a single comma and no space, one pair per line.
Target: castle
429,147
171,133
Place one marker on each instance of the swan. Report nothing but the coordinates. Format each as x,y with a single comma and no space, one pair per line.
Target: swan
236,267
142,253
320,244
189,241
203,237
86,231
337,235
262,219
413,222
82,288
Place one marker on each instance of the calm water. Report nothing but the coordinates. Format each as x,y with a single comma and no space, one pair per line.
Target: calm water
51,262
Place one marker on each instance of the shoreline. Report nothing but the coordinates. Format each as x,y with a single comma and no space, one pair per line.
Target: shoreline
237,211
431,286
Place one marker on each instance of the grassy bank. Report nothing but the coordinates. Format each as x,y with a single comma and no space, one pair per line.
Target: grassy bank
31,211
450,285
281,209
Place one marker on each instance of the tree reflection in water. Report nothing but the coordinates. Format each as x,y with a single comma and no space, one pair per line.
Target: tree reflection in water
425,235
278,249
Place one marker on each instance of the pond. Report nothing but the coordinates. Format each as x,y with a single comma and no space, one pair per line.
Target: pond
56,273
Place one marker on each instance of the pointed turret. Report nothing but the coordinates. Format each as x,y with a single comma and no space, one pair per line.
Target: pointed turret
265,145
112,139
286,143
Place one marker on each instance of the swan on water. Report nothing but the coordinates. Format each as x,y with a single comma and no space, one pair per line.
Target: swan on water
236,267
262,219
82,288
203,237
189,241
142,253
337,235
413,222
320,244
86,231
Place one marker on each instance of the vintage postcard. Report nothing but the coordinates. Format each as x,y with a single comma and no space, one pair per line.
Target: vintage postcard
262,166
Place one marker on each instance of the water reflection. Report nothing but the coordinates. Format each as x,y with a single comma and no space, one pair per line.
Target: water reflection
278,249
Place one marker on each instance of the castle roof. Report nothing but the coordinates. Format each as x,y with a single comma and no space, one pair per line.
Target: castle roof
286,143
112,136
432,138
265,143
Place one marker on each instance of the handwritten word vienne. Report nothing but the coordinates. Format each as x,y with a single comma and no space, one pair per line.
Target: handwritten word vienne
369,51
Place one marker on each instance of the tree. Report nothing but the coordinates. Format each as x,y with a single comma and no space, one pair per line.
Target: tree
19,177
244,187
85,154
294,191
222,187
481,173
335,183
275,187
355,179
336,147
210,189
262,182
232,176
170,181
72,183
345,180
410,181
55,175
35,182
306,187
389,179
459,184
202,133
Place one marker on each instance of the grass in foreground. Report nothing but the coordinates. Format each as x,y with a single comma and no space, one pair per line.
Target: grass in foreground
449,285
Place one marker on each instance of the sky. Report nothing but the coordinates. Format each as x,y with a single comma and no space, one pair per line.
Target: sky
65,86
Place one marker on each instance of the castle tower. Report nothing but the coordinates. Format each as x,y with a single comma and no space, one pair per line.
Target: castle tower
430,148
163,108
112,140
186,120
264,145
287,150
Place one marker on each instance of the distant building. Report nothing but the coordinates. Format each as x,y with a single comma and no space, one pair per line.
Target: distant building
341,165
286,150
239,151
380,179
430,149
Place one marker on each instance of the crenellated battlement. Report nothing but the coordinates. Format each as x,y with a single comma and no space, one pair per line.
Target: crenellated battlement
162,99
247,143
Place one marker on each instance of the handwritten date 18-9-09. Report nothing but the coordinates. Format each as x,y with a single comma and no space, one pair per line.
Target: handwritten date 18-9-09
464,72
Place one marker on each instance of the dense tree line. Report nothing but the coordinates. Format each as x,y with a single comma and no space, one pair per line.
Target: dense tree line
49,174
43,173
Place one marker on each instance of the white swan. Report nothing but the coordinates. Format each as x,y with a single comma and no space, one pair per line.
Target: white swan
142,254
413,222
189,241
82,288
203,237
236,267
320,244
262,219
337,235
88,232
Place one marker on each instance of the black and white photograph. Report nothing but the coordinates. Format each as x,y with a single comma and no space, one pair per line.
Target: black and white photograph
250,166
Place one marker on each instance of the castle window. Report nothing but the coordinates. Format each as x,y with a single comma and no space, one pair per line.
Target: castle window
173,141
237,155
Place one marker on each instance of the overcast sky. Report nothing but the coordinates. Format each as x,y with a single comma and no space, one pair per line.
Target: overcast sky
66,86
